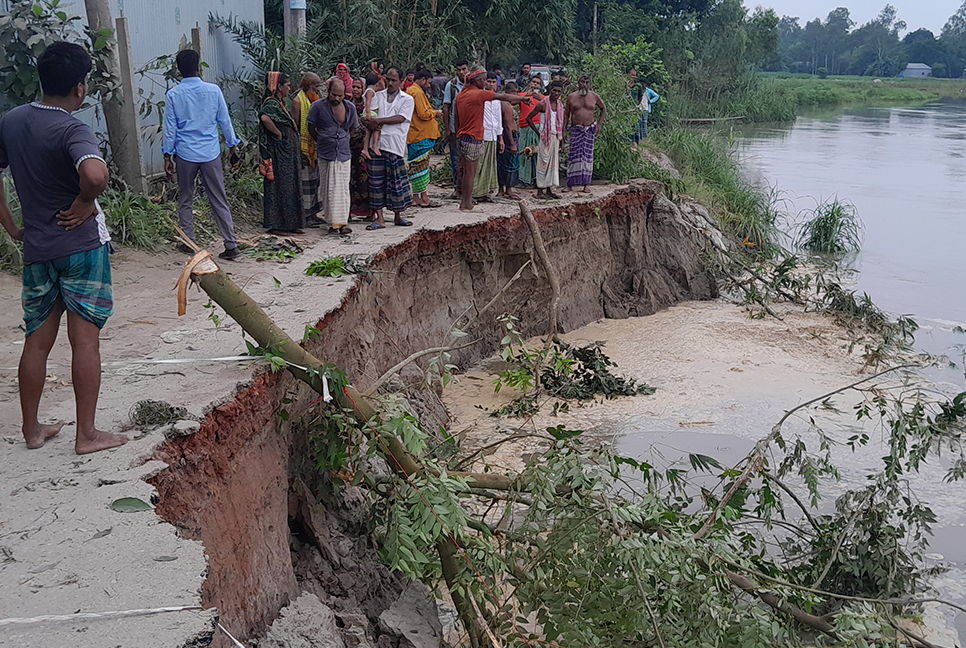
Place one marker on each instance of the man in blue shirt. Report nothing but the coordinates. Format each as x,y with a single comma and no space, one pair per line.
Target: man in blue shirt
449,119
193,112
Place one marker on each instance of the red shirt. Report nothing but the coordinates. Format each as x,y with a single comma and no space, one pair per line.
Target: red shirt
469,106
526,110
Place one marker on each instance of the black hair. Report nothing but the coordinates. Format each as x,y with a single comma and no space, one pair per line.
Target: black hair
555,84
424,74
524,64
461,63
412,72
282,80
372,79
491,75
510,83
62,66
584,77
188,62
399,72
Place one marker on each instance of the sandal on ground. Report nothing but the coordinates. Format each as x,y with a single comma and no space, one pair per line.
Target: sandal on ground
402,222
432,205
345,229
375,225
333,230
552,196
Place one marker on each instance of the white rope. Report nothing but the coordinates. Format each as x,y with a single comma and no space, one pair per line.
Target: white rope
97,615
130,363
237,643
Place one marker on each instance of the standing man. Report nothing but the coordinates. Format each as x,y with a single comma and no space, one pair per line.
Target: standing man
507,163
423,133
308,94
453,88
470,105
551,134
59,173
388,181
192,114
580,116
523,81
331,123
529,139
643,97
486,181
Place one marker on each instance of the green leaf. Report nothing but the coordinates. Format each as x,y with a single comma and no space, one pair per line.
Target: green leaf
101,534
38,10
164,558
100,43
129,505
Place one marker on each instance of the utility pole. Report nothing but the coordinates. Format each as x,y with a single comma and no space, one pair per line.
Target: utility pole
120,110
293,16
595,28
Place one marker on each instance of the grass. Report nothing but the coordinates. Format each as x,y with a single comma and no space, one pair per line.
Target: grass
710,173
833,227
11,252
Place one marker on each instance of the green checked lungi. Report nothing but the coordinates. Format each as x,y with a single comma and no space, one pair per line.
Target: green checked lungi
81,281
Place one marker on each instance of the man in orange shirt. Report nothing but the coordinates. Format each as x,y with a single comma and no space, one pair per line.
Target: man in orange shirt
470,103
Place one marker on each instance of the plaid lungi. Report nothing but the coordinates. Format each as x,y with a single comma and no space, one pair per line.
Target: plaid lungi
334,191
310,191
81,281
485,182
470,148
580,158
418,154
389,183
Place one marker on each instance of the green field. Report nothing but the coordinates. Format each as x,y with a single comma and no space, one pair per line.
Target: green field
812,91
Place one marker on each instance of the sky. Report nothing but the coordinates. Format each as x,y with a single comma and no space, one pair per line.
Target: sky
931,14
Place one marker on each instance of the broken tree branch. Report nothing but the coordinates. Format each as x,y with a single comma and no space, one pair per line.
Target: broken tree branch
412,358
545,262
756,456
782,485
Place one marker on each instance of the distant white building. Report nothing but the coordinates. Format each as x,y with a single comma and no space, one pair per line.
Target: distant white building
916,71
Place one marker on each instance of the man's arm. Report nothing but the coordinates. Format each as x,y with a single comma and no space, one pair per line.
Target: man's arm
169,146
535,111
297,113
603,111
513,99
93,181
6,218
313,121
447,109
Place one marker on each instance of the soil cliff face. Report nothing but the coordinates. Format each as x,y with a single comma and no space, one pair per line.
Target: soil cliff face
629,254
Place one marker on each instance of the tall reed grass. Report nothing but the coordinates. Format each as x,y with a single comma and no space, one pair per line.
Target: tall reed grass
833,227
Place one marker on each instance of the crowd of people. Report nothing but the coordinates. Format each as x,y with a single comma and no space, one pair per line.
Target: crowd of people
350,148
361,149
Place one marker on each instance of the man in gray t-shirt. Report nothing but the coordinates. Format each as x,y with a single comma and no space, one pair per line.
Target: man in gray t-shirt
59,173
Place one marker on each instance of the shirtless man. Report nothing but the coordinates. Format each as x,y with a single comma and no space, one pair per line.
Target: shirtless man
579,115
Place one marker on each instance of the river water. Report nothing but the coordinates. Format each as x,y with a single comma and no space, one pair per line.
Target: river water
904,169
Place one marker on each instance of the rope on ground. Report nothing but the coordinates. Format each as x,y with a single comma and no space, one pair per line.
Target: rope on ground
133,363
116,614
236,642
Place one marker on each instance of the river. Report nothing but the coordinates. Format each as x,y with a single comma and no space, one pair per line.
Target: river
904,169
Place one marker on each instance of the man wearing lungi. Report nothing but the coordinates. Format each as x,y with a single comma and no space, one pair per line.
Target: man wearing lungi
331,123
388,179
551,110
59,173
580,116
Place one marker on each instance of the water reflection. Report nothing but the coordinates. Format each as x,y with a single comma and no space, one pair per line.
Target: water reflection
903,168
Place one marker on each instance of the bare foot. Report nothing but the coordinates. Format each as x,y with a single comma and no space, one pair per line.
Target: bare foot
96,441
365,154
375,149
37,438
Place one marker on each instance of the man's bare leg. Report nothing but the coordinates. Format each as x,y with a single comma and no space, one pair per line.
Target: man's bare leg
469,175
85,370
32,374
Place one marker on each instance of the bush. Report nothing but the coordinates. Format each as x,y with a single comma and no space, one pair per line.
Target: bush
11,252
822,73
833,228
135,221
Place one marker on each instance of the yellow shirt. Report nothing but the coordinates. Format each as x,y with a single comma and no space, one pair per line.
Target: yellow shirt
424,124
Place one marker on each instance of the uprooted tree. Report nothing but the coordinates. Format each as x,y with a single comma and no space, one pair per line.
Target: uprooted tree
585,547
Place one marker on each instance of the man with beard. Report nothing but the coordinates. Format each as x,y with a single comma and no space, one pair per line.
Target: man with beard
331,123
579,115
388,180
470,106
307,95
551,110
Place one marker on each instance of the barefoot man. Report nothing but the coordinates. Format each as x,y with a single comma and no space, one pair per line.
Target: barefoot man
551,133
59,172
579,115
